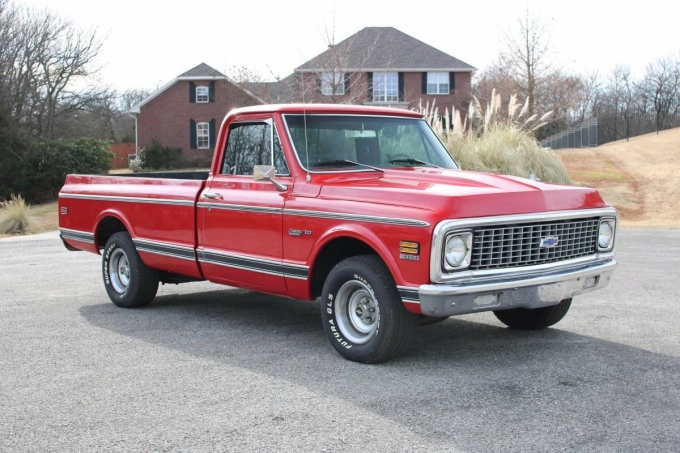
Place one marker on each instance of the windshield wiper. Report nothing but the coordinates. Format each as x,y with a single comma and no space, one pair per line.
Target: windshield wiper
413,161
329,163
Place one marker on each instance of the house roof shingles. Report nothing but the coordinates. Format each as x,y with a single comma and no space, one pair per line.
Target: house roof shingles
280,92
381,48
202,70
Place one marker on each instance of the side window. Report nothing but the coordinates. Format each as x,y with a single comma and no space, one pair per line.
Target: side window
249,144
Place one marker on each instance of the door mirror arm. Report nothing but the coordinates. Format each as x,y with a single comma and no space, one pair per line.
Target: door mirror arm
267,173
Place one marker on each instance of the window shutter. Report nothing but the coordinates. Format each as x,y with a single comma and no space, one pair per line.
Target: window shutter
347,83
369,84
192,134
213,136
452,81
424,84
211,92
318,83
192,92
401,87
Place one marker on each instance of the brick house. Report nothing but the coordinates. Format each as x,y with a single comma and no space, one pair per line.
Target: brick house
376,66
187,111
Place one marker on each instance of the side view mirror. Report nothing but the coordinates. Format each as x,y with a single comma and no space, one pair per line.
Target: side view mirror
267,173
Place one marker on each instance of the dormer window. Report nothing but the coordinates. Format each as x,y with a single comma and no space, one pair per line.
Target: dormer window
202,94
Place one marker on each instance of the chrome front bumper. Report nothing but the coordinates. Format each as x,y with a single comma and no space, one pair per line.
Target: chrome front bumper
519,292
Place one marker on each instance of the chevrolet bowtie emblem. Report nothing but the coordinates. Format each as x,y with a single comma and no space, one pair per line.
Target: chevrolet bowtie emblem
549,242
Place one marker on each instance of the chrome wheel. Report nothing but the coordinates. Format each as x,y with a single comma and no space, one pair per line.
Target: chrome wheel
119,271
357,312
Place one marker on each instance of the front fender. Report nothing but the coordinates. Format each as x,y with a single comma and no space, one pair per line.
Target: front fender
363,234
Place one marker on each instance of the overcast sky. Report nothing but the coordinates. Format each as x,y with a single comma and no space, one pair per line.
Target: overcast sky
149,42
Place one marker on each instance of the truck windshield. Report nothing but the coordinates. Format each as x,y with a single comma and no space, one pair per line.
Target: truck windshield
339,143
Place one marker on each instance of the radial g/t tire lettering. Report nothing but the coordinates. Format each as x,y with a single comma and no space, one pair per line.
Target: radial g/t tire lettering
362,312
128,281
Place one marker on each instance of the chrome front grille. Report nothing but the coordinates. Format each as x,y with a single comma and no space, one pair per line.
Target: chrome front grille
517,245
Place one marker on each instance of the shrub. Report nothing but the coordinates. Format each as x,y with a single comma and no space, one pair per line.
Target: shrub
14,175
157,157
14,145
40,174
136,164
202,159
506,150
498,141
55,159
13,215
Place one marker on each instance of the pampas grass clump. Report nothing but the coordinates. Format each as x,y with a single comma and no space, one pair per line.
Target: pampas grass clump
13,215
496,140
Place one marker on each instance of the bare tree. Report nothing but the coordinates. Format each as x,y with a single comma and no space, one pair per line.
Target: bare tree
660,89
106,119
524,68
340,80
621,99
588,96
525,59
45,63
127,99
244,74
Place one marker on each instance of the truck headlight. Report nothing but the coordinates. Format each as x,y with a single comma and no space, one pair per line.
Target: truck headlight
605,235
457,251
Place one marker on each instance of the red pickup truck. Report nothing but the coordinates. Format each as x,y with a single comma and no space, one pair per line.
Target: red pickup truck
361,207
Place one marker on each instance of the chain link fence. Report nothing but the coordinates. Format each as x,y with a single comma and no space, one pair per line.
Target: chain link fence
610,128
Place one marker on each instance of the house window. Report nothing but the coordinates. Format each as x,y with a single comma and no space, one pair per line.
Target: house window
332,83
202,94
203,135
385,87
437,83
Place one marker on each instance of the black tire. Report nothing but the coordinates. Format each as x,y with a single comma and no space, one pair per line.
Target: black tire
354,287
533,319
128,281
424,320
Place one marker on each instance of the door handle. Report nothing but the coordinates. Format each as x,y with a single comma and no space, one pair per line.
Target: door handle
211,195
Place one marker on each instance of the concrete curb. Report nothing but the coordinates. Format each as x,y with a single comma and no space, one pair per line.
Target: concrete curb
32,237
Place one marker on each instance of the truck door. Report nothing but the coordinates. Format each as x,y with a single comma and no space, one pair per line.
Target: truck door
240,218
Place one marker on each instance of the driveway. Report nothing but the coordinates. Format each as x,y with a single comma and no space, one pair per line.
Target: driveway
206,368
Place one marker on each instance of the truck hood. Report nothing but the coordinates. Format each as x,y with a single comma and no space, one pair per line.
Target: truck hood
457,193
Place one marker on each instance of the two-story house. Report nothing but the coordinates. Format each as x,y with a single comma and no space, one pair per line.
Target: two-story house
187,111
376,66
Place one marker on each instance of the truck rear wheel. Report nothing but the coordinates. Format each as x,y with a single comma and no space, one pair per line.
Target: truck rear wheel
362,312
533,319
128,281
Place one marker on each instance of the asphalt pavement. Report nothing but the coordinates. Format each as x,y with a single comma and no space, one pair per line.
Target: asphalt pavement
207,368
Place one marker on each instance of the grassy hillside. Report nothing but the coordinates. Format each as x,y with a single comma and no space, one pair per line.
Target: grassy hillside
640,177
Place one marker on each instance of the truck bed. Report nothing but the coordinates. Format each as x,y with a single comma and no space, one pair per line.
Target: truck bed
158,209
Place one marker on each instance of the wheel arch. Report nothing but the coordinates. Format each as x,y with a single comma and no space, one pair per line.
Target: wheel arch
109,223
341,244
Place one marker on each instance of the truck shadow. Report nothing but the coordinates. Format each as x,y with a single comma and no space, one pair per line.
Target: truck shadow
458,380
